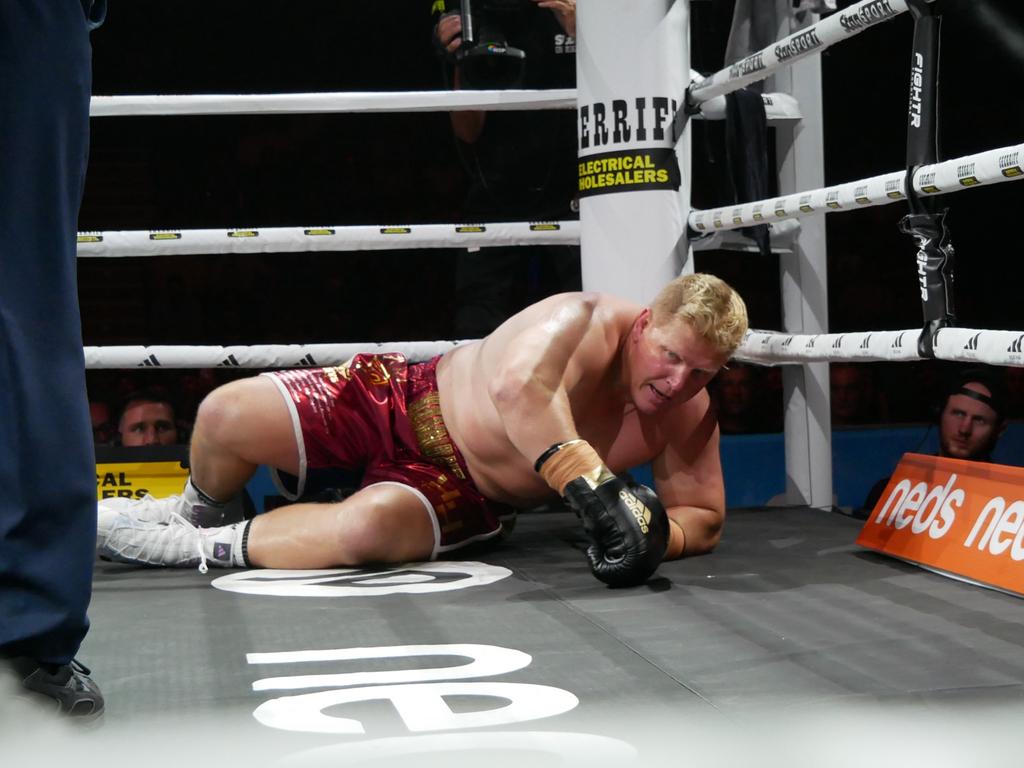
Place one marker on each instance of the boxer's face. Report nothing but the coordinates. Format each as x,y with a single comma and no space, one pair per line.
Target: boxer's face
670,363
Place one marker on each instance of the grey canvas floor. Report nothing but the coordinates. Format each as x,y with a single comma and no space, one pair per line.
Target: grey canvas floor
788,628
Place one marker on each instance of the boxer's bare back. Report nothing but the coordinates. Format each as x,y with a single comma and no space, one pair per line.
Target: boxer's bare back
591,366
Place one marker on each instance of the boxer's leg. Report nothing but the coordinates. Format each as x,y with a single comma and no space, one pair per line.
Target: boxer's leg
238,427
384,523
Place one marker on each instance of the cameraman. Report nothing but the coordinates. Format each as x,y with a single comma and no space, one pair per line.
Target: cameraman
522,164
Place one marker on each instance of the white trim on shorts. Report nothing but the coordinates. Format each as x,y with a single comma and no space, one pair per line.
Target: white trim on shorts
430,512
301,480
471,540
299,440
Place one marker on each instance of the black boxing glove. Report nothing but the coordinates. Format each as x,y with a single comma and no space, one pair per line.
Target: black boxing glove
626,523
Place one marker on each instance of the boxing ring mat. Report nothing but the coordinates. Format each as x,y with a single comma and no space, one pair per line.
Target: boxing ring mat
787,627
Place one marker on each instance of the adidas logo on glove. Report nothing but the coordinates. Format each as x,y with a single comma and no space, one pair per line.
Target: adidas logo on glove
640,512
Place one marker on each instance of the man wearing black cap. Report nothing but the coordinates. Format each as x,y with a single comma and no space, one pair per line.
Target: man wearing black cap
972,418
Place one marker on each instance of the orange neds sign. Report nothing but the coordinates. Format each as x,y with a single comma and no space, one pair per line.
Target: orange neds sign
962,517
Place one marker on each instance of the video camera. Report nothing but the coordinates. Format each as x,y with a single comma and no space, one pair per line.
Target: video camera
485,59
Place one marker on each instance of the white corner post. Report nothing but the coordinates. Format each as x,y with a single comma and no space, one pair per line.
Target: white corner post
804,284
632,69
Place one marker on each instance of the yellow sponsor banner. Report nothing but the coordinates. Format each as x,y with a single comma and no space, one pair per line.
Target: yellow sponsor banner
628,170
133,480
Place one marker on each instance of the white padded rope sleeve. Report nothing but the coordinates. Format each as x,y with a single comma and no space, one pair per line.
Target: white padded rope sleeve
806,42
762,347
265,356
325,238
983,168
311,103
966,345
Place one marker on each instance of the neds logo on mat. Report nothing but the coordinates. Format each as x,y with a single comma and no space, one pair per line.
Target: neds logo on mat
407,579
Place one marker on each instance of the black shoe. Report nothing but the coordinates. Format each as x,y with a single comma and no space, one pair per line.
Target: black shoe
68,686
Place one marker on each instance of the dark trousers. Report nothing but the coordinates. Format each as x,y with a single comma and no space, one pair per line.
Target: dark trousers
492,284
47,466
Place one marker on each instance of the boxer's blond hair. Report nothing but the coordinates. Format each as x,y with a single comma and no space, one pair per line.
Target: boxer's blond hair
707,304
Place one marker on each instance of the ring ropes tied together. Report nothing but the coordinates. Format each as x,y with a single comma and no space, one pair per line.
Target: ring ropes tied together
923,179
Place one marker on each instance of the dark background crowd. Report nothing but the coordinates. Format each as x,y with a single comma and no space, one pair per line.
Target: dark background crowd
348,169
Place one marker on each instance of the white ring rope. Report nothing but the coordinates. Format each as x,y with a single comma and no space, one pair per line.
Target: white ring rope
781,233
990,167
326,238
799,45
772,347
182,242
310,103
778,106
965,345
762,347
262,356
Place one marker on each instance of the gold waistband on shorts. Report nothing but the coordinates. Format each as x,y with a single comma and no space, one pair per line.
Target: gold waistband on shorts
432,435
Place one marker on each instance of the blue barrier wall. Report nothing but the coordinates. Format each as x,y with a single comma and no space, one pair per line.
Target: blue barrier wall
755,465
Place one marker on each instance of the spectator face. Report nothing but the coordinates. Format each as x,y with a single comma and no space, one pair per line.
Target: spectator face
968,428
849,388
735,391
148,424
102,428
99,413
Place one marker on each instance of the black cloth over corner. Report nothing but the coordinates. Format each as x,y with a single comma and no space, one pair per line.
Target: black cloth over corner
746,150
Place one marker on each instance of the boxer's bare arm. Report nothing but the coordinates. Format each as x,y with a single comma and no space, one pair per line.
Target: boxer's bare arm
539,366
688,480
